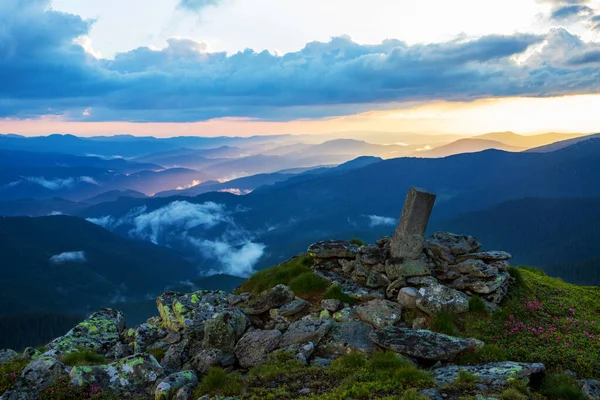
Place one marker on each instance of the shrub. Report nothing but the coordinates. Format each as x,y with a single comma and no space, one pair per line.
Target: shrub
562,387
159,354
444,322
335,292
489,353
83,357
217,381
308,283
63,389
280,274
512,394
412,394
477,306
357,242
410,375
10,372
350,361
386,361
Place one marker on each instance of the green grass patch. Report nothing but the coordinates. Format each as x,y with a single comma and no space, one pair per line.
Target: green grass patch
563,387
82,357
489,353
219,382
512,394
280,274
10,372
477,306
309,283
357,242
445,322
544,320
336,293
63,389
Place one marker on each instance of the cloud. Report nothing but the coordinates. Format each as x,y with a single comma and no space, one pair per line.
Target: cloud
197,5
376,220
173,225
44,71
571,11
69,257
56,183
236,191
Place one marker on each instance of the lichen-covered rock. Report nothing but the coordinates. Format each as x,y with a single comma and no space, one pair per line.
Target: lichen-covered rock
497,374
346,314
129,377
421,281
274,298
423,344
252,349
208,358
333,249
380,313
372,254
7,355
144,335
391,292
480,285
489,256
590,388
99,332
31,354
331,305
180,311
407,297
223,331
36,376
476,268
292,308
185,393
170,386
395,269
304,331
377,280
442,242
437,298
346,337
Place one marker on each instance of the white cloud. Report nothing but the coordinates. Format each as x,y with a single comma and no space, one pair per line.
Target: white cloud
376,220
235,260
69,256
236,191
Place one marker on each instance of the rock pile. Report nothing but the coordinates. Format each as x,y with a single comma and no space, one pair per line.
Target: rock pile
449,270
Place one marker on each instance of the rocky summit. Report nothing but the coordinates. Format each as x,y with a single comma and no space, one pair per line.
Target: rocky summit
306,324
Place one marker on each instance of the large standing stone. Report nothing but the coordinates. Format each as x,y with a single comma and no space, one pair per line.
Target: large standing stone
408,239
423,344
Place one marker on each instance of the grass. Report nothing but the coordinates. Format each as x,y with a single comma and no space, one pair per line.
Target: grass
280,274
544,320
83,357
159,354
444,322
219,382
336,293
477,306
357,242
563,387
489,353
308,283
10,372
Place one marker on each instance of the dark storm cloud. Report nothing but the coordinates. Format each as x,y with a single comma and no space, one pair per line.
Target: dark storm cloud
43,72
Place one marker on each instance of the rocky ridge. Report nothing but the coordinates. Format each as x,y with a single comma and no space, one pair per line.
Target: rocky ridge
197,331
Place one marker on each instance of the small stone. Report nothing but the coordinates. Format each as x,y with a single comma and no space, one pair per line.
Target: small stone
498,374
304,331
456,244
169,386
344,315
331,305
476,268
380,313
407,297
591,388
377,280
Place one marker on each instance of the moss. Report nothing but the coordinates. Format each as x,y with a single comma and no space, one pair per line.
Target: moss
352,360
83,357
357,242
444,322
336,293
280,274
412,394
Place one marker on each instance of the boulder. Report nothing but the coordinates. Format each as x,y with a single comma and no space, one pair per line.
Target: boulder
437,298
208,358
377,280
423,344
176,356
346,314
333,249
372,254
421,281
274,298
476,268
346,337
132,376
36,376
99,332
590,388
185,393
395,269
170,386
253,347
481,285
442,243
294,307
391,292
489,256
7,355
304,331
331,305
144,335
380,313
407,297
181,312
223,331
498,374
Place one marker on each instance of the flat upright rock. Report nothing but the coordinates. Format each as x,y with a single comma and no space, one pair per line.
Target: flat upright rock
100,331
497,372
304,331
408,268
423,344
189,311
437,298
333,249
485,256
274,298
380,313
446,245
253,348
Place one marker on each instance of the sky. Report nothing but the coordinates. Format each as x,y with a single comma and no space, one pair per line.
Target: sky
245,67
